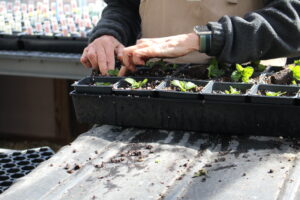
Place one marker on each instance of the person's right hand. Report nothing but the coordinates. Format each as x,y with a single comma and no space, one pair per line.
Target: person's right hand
100,54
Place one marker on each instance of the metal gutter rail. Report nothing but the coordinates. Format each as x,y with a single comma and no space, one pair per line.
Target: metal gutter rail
42,64
113,163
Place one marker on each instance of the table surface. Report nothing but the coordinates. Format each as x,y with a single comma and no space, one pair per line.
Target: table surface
111,162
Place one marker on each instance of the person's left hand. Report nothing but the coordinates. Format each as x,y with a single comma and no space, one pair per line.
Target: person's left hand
166,47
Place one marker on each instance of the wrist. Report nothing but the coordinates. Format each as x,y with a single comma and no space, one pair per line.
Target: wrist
194,41
204,34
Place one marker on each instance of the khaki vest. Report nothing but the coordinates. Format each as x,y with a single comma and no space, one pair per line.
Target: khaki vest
162,18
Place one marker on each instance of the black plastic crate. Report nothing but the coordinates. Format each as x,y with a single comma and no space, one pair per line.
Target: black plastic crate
9,42
53,43
16,164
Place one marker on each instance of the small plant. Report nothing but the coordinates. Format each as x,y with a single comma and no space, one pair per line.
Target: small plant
201,172
136,84
297,62
102,84
232,90
274,94
162,65
295,71
213,69
183,85
242,73
258,67
114,72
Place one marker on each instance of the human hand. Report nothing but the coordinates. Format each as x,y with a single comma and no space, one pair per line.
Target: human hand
100,54
166,47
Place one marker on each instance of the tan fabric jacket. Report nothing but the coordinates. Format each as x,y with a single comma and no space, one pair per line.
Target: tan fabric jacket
162,18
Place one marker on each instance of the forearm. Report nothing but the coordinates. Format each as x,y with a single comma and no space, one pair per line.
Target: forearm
120,19
273,31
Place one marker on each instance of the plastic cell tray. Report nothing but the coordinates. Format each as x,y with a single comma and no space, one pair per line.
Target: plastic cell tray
214,117
284,99
9,42
117,88
86,85
246,114
16,164
53,44
211,95
181,95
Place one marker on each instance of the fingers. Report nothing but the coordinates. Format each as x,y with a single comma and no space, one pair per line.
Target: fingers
119,51
92,57
84,59
102,61
122,71
110,57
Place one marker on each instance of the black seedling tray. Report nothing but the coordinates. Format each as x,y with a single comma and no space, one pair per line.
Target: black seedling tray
289,100
209,94
9,42
177,94
86,85
16,164
273,69
230,118
54,44
137,92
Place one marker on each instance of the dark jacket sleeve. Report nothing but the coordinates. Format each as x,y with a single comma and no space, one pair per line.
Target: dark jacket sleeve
120,19
273,31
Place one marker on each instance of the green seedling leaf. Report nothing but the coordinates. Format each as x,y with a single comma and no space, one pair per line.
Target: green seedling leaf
178,84
247,73
183,85
102,83
242,73
136,84
275,94
296,71
239,68
236,76
297,62
261,67
232,91
130,80
258,67
213,69
201,172
114,72
189,85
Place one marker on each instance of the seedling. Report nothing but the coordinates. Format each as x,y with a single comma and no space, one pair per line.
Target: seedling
114,72
295,71
136,84
213,69
162,65
102,84
232,90
242,73
201,172
297,62
183,85
274,94
258,67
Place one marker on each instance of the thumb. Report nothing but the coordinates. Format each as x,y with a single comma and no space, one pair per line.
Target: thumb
122,71
119,52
